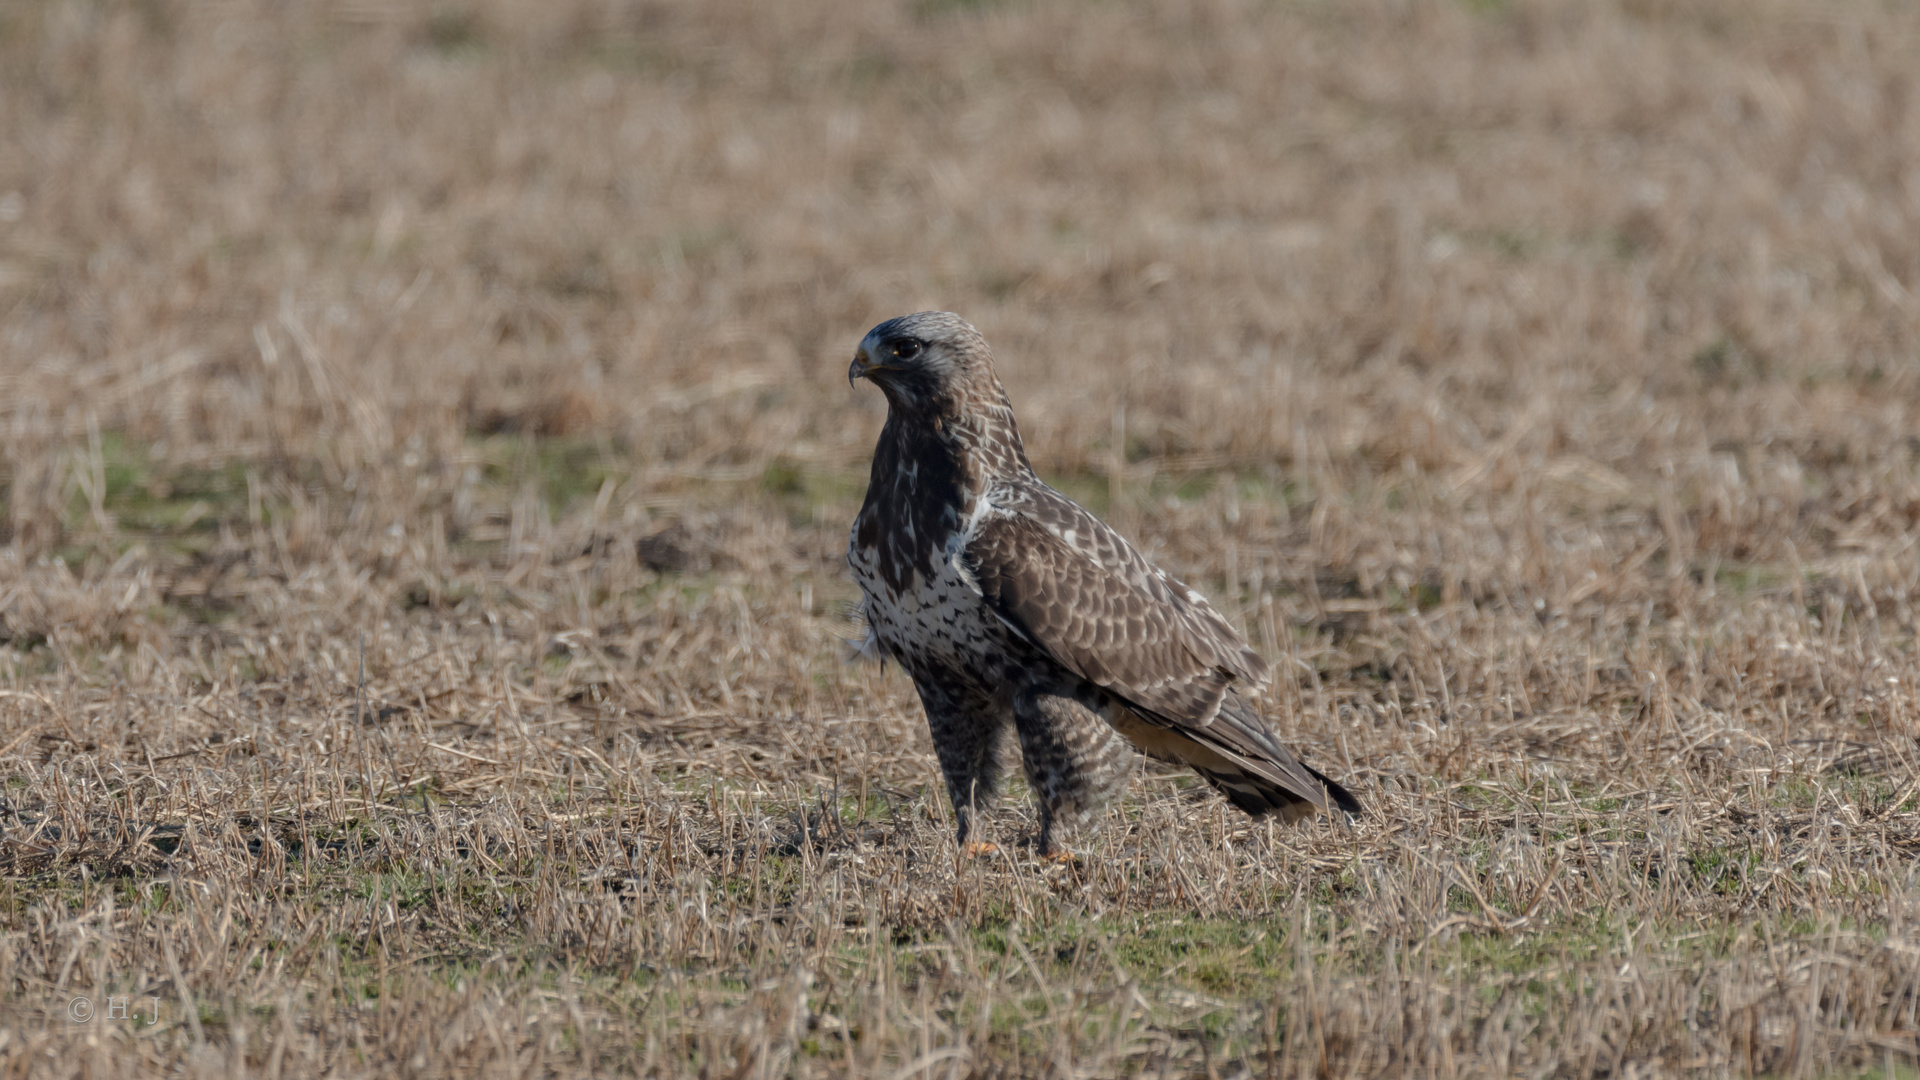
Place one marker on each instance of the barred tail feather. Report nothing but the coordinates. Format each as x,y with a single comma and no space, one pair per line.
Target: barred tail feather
1239,756
1258,796
1341,796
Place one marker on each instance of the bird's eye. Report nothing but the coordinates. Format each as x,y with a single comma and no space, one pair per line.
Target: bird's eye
906,350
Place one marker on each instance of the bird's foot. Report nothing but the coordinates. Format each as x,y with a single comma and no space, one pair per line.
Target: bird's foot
974,849
1060,857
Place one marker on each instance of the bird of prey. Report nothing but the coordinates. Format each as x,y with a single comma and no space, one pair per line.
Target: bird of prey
1011,605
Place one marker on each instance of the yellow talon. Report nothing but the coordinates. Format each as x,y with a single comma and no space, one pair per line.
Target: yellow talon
976,848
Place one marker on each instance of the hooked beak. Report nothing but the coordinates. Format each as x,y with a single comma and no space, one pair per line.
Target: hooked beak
862,365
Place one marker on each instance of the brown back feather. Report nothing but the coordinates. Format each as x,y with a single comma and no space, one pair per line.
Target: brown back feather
1101,610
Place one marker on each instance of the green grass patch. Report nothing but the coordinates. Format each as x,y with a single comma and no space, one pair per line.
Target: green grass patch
146,497
565,471
805,491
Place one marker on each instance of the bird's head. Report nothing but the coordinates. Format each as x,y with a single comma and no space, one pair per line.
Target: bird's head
930,360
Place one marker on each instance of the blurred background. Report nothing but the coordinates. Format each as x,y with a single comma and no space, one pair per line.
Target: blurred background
346,266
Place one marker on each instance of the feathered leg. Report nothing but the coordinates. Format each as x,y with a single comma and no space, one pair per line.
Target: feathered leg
1075,761
966,737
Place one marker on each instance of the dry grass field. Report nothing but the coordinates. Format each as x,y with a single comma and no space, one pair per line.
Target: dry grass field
427,461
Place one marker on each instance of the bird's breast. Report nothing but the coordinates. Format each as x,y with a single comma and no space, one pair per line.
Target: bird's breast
930,613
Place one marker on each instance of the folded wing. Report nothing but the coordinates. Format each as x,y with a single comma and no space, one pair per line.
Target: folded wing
1077,591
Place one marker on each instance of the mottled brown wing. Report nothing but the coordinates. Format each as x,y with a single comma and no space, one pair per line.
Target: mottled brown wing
1070,585
1073,588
